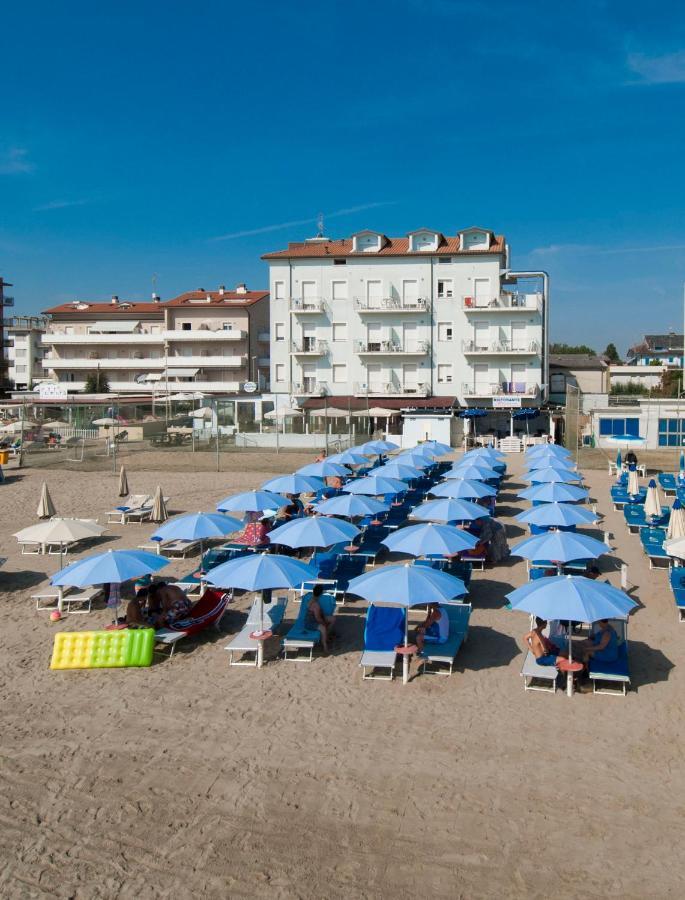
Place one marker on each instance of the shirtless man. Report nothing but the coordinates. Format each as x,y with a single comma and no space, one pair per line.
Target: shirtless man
545,652
166,603
435,628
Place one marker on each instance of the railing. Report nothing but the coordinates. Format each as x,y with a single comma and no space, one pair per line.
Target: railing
310,387
505,301
390,304
501,388
387,388
499,347
203,333
307,305
312,346
391,347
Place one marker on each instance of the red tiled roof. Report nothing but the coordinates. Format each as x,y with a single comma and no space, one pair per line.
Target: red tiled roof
228,298
357,404
123,306
448,246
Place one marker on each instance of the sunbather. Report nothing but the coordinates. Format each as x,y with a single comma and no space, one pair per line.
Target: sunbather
435,628
546,652
255,534
158,606
317,619
602,646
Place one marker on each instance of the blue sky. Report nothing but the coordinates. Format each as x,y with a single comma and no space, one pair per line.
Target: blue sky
170,144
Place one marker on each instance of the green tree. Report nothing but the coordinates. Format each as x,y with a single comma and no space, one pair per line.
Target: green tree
571,348
611,354
671,383
96,383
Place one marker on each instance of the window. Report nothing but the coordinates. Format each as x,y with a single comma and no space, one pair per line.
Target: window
339,290
279,372
279,290
339,262
609,427
279,331
227,326
19,354
445,288
339,373
186,326
339,331
444,373
69,329
155,329
557,383
444,259
20,370
671,432
445,331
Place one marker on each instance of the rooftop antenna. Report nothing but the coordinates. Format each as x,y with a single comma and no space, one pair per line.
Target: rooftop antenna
319,225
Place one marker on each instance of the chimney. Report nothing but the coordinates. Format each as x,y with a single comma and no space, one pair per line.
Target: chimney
208,298
222,290
114,300
241,289
155,298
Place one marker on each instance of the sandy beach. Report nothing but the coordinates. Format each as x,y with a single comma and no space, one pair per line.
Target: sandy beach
193,779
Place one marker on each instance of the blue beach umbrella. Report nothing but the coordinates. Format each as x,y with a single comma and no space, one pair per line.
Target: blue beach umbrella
548,448
448,509
437,448
418,456
197,527
430,539
546,456
375,485
294,484
313,531
252,501
350,457
555,515
406,585
463,489
560,547
396,469
554,492
487,453
475,471
619,460
110,567
551,474
351,505
323,469
626,440
377,448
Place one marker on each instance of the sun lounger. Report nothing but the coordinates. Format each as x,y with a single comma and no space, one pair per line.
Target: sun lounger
47,597
128,507
612,677
82,601
668,482
177,549
537,677
438,659
383,632
300,641
677,581
652,540
207,612
143,513
246,648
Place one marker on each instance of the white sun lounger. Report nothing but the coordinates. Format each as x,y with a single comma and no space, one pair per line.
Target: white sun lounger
47,598
176,548
246,648
378,665
537,677
129,507
438,659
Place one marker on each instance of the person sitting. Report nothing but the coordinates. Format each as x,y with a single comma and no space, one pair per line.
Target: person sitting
602,646
546,652
255,533
288,512
435,628
316,619
630,460
158,606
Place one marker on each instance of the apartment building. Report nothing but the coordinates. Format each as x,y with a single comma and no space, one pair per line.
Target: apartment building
5,302
212,341
25,350
424,315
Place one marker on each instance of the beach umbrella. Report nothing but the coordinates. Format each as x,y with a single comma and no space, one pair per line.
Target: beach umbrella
60,531
633,486
416,459
476,471
252,501
548,448
429,539
619,460
652,500
313,531
377,448
377,412
375,485
46,508
526,413
487,453
554,474
676,522
560,547
675,547
448,509
330,412
349,458
626,440
473,413
159,511
554,492
282,412
437,448
294,484
351,505
197,527
682,461
463,489
544,461
396,469
261,572
323,469
123,483
555,515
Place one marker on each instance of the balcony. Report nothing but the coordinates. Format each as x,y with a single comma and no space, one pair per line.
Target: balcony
52,362
501,389
160,388
309,346
390,305
8,301
390,388
307,305
205,334
500,348
506,302
310,387
391,348
90,340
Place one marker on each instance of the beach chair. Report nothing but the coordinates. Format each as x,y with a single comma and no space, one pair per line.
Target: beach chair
634,514
476,557
243,649
177,549
537,677
144,512
207,612
82,601
668,482
612,677
652,540
370,545
299,642
383,632
128,507
677,581
438,659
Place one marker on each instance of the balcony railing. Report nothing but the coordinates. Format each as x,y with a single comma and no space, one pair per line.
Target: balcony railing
507,301
390,305
204,333
389,388
310,387
499,347
309,347
501,389
8,301
411,347
307,305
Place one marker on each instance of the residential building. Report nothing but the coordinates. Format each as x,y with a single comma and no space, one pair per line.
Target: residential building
580,371
657,350
25,350
660,422
209,341
420,316
5,303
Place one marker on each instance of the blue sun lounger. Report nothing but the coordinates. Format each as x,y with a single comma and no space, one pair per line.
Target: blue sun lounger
652,540
677,582
612,677
299,642
438,659
668,482
383,632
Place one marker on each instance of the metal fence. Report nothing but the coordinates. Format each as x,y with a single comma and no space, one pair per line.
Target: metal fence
572,420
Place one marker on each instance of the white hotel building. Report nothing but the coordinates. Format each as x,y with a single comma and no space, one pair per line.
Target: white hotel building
425,315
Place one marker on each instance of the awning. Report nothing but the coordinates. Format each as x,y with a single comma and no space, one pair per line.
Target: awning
125,327
151,376
181,373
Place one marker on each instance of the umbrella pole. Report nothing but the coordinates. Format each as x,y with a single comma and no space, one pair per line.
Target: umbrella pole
405,657
569,674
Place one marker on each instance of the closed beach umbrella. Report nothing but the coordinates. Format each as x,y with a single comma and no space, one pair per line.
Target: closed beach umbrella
324,469
293,484
448,509
375,485
560,547
46,508
430,539
554,492
676,522
313,531
252,501
123,483
159,511
554,474
633,483
652,500
351,505
556,515
463,489
619,460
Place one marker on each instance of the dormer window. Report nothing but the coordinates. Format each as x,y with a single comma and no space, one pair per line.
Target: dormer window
367,242
475,239
423,241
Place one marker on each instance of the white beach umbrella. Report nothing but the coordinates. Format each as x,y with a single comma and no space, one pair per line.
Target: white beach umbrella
633,483
159,511
46,508
123,483
59,531
676,522
652,500
289,412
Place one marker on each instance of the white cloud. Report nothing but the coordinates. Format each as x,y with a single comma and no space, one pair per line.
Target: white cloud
598,250
264,229
59,204
669,68
15,161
